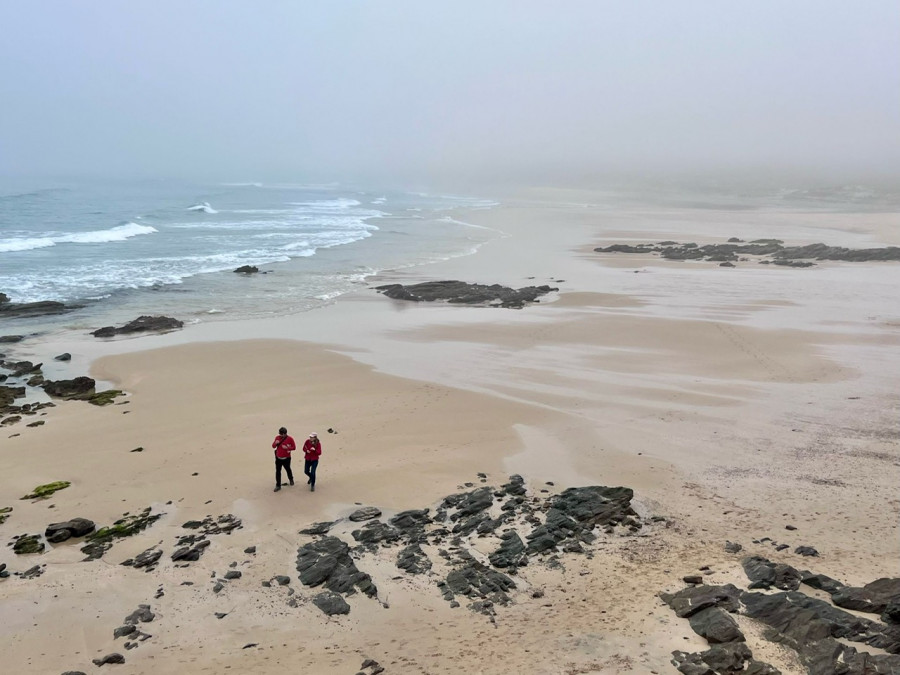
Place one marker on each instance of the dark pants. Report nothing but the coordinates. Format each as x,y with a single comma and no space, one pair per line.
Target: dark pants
310,470
286,463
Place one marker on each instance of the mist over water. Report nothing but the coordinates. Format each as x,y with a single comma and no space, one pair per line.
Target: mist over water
464,94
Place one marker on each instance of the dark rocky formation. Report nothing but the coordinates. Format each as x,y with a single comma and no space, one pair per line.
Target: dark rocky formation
9,394
773,251
320,528
10,339
481,511
65,356
60,532
247,269
109,658
365,513
687,602
873,597
4,513
575,512
79,386
101,541
143,324
192,552
146,559
16,310
765,574
331,603
807,551
461,292
511,552
413,560
374,533
716,626
813,628
327,561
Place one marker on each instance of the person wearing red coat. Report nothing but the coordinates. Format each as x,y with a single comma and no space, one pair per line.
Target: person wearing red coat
312,450
284,445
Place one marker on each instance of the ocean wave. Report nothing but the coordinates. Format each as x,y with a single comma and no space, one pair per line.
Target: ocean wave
329,204
118,233
204,207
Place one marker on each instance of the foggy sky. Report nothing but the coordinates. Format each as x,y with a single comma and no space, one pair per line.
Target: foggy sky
424,89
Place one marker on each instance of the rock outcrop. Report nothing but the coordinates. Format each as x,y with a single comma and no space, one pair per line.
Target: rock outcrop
143,324
463,293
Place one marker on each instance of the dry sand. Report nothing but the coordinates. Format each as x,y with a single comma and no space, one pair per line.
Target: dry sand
734,402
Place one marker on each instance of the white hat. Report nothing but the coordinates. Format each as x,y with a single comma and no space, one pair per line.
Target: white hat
312,435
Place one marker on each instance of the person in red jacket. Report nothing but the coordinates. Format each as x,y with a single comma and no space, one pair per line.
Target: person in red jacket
312,449
284,445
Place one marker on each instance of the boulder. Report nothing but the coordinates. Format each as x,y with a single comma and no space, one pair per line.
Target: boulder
331,603
716,626
11,338
247,269
78,386
365,513
77,527
143,324
65,356
765,574
109,658
693,599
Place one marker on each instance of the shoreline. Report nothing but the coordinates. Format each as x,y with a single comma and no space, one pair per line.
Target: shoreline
730,419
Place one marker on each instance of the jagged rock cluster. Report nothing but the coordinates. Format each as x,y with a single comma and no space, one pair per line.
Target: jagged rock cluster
463,293
815,629
190,547
771,251
437,545
31,375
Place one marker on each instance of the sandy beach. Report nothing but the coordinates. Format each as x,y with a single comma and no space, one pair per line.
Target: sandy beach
734,402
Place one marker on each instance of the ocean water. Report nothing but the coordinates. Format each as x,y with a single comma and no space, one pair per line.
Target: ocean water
121,249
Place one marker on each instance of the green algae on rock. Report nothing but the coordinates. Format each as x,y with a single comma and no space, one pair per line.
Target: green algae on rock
44,491
29,543
103,397
4,513
102,540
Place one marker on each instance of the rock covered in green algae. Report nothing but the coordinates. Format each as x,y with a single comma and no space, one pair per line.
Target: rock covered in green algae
102,540
29,543
44,491
4,513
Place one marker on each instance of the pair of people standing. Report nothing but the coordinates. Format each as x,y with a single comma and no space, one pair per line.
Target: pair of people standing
284,445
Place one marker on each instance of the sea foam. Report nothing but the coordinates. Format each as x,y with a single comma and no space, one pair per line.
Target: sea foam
118,233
